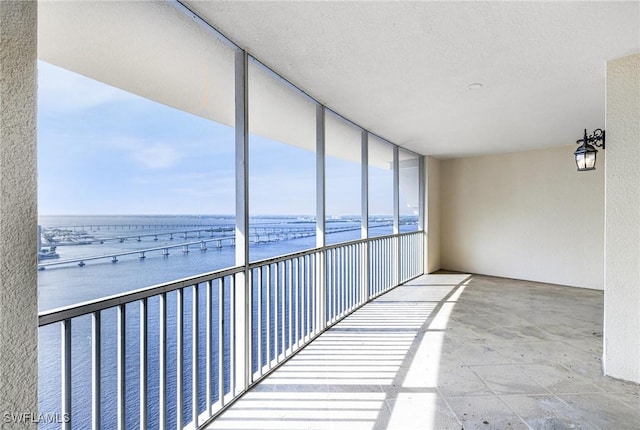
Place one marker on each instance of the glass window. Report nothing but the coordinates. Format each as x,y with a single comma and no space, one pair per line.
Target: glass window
135,160
343,180
282,166
408,163
380,187
136,182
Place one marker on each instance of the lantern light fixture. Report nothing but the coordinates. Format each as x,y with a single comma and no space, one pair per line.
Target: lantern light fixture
586,152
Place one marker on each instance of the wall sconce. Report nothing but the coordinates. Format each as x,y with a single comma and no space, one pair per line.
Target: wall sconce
586,153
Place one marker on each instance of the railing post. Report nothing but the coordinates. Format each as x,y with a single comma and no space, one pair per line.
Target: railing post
195,362
96,367
121,391
162,363
242,311
143,362
66,374
179,356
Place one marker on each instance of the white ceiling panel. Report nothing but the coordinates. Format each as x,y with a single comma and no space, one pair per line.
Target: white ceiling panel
402,69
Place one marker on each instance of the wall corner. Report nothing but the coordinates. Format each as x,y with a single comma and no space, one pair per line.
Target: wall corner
621,356
432,199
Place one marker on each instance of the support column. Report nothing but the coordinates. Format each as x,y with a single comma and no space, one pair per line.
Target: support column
18,214
320,179
364,165
622,221
422,209
396,214
396,190
431,168
421,193
321,257
242,285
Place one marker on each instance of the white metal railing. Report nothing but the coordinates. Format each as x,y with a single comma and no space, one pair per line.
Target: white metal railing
189,372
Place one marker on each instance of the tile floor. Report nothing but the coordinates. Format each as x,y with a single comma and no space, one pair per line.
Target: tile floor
451,351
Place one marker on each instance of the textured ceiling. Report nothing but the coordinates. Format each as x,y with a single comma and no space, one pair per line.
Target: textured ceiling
401,69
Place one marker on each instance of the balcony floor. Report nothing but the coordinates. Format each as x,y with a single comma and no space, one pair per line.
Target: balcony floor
449,351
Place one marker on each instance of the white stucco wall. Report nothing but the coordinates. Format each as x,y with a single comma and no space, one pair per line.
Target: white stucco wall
622,232
432,167
18,213
526,215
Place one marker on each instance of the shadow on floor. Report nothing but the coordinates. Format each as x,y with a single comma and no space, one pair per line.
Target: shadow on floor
450,351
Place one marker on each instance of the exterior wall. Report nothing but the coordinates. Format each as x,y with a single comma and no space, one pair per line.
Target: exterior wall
432,200
622,230
526,215
18,213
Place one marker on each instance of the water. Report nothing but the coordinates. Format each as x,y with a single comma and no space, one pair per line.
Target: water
71,284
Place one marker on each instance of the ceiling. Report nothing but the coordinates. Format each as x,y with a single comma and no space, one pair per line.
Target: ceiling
402,69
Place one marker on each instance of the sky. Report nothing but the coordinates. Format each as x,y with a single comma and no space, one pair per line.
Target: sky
105,151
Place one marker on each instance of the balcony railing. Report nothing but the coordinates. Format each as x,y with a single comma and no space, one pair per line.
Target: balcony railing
174,355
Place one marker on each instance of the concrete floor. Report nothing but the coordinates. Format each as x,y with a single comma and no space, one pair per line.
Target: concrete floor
451,351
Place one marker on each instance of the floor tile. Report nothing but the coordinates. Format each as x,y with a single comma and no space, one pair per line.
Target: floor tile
558,379
611,385
546,412
479,354
508,379
496,354
461,381
484,412
603,411
631,400
419,411
543,352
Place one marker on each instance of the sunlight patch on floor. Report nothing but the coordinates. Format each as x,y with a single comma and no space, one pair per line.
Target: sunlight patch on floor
442,317
456,295
413,411
423,372
344,379
303,410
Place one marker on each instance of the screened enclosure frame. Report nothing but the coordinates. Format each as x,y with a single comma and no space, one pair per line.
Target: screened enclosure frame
319,286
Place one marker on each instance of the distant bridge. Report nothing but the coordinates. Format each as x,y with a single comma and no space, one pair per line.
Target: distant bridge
259,235
115,227
182,234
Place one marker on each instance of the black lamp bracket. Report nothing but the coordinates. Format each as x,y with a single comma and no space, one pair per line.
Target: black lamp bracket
597,136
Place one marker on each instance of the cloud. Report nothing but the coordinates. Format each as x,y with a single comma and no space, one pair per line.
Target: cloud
146,153
156,155
190,182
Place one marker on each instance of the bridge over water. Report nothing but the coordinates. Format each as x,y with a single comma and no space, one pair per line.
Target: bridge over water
257,235
82,236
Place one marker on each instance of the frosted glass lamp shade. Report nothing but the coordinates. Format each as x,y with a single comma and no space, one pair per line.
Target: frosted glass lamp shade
586,157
